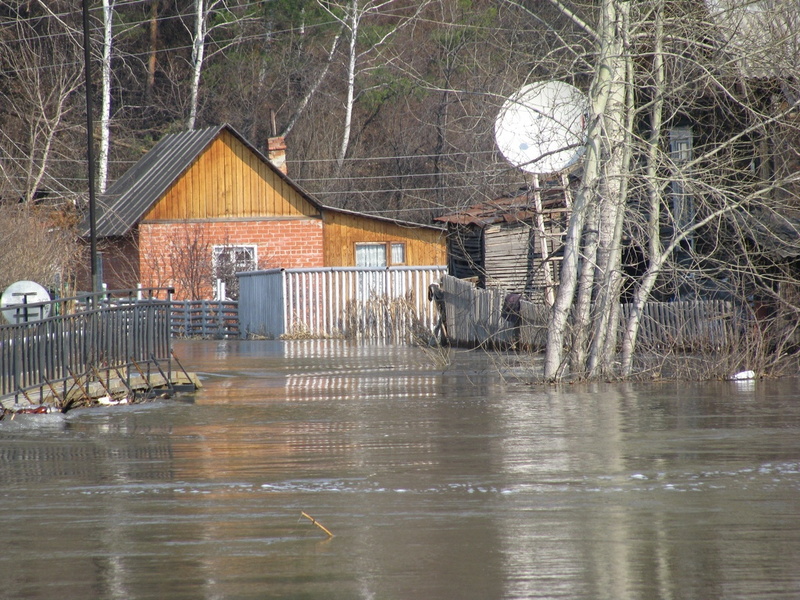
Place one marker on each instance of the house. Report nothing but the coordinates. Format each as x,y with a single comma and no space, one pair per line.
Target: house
202,205
513,242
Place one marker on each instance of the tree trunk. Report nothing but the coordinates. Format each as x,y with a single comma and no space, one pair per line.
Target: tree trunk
615,180
198,52
581,314
354,19
604,135
314,87
105,107
152,59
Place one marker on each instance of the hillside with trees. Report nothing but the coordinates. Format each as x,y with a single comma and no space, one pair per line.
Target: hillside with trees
688,187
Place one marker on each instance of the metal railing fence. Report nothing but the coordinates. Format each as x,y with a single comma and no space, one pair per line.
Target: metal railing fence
117,330
205,318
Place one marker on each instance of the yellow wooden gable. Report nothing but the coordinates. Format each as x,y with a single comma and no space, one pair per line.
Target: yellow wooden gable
228,180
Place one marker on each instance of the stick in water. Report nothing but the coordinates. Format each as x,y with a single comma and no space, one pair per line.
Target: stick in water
317,523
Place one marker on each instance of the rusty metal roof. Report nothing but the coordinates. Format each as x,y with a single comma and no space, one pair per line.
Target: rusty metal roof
507,209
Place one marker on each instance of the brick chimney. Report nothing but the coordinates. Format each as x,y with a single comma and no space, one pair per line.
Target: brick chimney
276,153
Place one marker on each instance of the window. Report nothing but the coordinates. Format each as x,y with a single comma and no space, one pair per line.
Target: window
680,144
370,255
683,210
398,253
229,260
374,254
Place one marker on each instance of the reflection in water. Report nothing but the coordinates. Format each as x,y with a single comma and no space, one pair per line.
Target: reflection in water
455,484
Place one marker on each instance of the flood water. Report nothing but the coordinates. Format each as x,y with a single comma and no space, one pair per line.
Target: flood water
453,484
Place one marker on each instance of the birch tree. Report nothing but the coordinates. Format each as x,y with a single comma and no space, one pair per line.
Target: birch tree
694,210
229,13
351,15
105,104
602,176
202,8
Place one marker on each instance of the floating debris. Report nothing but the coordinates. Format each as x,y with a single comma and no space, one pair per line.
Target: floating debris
317,523
109,401
27,410
744,375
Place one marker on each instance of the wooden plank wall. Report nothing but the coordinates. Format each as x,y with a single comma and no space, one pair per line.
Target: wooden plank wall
513,254
229,181
464,251
342,230
507,255
546,270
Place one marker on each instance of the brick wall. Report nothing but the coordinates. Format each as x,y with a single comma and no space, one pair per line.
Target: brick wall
120,262
179,254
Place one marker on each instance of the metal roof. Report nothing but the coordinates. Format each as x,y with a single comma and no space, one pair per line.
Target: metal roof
775,234
131,196
124,203
398,222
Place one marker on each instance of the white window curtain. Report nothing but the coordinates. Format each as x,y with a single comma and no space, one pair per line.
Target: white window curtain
398,253
370,255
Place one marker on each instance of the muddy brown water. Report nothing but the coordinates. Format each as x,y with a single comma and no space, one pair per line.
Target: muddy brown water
452,484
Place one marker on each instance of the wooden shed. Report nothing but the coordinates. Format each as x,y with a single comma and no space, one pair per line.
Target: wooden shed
203,205
513,242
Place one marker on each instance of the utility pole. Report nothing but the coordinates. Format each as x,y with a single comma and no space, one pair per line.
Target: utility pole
95,271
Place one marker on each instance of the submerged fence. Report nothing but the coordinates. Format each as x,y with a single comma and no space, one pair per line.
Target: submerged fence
83,336
481,316
476,316
377,304
205,318
688,325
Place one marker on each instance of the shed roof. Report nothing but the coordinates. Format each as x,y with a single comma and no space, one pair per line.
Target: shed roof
506,209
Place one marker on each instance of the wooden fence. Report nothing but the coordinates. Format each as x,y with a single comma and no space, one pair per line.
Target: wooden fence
205,318
376,304
475,317
688,325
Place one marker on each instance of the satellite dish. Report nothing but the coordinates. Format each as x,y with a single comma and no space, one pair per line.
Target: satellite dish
18,295
542,128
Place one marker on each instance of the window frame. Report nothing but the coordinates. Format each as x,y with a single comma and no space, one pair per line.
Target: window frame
216,252
388,252
684,211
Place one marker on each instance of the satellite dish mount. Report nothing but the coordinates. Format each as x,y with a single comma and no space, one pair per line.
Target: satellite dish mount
541,129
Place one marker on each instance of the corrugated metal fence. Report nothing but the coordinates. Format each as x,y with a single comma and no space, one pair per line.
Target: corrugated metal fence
379,304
